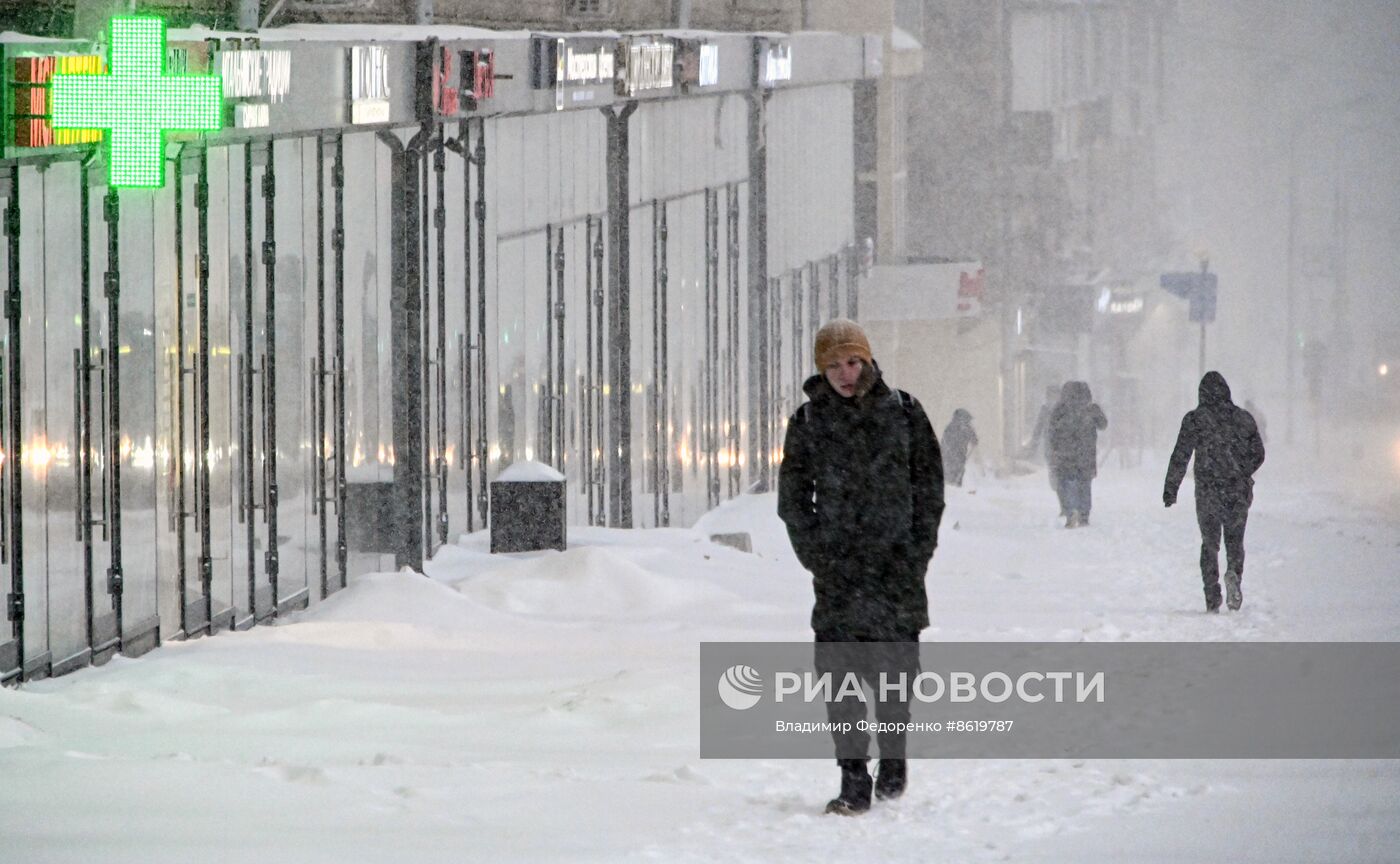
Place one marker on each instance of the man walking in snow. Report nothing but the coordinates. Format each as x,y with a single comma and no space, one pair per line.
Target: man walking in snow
958,440
1074,434
861,492
1228,450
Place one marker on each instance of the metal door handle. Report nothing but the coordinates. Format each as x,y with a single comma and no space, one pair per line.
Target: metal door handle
338,388
173,487
79,526
318,444
243,451
462,389
269,493
106,441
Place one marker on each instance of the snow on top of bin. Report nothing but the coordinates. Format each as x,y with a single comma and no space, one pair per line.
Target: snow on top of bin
529,472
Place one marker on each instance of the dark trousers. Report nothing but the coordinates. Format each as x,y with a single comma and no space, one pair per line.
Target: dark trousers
1221,514
838,654
1076,494
953,469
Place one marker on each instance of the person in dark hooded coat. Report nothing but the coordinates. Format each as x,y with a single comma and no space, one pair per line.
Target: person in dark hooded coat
860,490
958,440
1228,449
1074,435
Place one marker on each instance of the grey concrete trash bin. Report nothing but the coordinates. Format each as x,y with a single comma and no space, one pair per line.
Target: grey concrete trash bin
528,510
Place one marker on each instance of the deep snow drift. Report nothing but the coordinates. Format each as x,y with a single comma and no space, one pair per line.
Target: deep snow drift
543,707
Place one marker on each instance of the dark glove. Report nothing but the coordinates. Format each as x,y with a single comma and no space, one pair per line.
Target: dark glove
1169,498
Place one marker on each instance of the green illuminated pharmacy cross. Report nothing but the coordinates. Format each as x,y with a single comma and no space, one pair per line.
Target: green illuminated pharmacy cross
135,103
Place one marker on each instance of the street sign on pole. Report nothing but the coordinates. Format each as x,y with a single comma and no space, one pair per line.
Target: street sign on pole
1203,300
1200,290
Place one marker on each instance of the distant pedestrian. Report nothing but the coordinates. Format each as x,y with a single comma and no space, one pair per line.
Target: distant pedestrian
958,440
1074,434
861,493
1228,448
1041,434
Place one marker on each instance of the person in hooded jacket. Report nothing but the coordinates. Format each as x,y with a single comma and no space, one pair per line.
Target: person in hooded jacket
860,490
958,440
1074,434
1228,449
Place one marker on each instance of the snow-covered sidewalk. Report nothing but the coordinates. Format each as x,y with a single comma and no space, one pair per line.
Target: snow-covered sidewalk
544,707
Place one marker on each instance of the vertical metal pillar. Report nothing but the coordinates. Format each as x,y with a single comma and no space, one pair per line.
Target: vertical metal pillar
269,261
663,384
421,144
479,161
246,373
440,232
202,504
406,305
619,437
318,373
465,345
557,412
546,453
112,288
760,384
733,353
710,412
655,424
14,601
342,549
178,507
84,397
595,397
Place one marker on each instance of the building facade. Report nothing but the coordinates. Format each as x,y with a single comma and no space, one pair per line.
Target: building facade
1034,151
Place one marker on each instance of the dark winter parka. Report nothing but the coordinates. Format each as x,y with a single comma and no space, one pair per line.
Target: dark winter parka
1225,441
958,440
1074,432
861,492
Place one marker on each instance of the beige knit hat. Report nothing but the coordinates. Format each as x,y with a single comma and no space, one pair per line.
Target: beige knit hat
839,338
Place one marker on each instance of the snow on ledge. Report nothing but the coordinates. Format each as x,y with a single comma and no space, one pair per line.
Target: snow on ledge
382,33
529,472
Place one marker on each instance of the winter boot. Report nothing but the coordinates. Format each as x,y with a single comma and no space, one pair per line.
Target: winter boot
1073,520
890,782
1233,596
855,789
1213,600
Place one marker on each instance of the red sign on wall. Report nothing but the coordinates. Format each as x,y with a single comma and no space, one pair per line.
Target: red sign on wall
970,287
30,79
446,94
479,76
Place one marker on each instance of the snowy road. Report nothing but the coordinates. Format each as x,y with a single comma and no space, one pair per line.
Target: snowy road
544,708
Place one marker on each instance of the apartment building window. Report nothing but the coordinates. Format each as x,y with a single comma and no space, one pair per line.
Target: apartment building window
588,9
